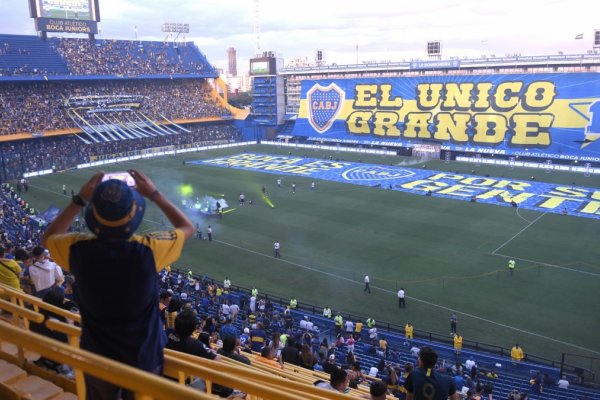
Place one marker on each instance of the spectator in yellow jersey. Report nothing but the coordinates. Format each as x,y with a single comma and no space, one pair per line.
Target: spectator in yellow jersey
358,328
516,353
113,213
458,340
409,330
10,271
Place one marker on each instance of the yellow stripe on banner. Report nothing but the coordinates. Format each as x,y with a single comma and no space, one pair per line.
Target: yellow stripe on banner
564,115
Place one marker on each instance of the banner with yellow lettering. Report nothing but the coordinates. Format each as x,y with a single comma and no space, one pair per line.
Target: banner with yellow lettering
535,115
544,197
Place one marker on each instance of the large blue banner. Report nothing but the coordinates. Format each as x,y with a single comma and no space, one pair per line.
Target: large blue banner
538,115
538,196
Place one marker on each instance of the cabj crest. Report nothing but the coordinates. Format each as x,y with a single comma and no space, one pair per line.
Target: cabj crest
324,105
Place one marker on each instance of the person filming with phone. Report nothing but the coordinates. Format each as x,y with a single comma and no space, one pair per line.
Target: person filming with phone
115,270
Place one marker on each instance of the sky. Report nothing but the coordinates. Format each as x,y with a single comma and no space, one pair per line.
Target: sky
347,31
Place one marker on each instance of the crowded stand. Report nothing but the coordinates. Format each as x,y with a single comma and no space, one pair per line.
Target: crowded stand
65,152
18,223
200,316
129,58
261,321
36,107
29,55
263,333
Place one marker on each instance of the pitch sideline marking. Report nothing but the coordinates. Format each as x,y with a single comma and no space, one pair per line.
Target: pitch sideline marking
549,265
518,233
412,298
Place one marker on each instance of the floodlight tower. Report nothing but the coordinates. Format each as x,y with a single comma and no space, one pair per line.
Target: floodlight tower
257,25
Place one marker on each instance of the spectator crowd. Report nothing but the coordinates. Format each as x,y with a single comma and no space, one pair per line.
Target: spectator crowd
122,58
64,152
37,107
129,58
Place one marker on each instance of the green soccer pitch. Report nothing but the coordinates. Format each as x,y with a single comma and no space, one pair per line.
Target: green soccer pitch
448,255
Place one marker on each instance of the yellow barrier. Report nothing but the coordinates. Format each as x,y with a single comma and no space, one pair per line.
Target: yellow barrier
142,383
258,381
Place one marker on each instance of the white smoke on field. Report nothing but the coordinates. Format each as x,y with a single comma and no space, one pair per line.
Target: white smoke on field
208,204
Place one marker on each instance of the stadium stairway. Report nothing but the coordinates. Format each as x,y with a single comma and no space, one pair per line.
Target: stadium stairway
32,382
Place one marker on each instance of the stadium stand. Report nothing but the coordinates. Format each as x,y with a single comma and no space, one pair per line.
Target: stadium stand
28,55
111,93
16,223
130,58
207,297
39,107
64,152
67,57
203,298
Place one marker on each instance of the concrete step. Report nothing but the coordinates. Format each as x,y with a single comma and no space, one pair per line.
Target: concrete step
10,373
35,388
65,396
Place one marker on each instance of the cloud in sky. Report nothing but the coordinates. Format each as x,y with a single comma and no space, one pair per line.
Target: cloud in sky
381,29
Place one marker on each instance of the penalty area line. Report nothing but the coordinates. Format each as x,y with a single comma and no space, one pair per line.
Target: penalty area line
410,297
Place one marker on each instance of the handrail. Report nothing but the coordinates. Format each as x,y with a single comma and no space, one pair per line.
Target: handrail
263,385
39,303
240,377
235,376
141,382
21,311
248,374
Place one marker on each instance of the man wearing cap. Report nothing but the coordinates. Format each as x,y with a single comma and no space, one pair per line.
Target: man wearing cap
113,212
245,339
329,366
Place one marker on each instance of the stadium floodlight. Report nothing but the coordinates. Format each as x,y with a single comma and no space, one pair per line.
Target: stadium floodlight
175,27
434,49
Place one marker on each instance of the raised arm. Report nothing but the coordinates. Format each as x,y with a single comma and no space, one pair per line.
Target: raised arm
63,221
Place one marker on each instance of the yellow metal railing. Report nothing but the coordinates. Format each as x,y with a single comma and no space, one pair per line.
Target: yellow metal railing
257,384
259,381
144,384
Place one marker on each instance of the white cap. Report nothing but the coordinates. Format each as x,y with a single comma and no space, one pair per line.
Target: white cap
246,330
183,296
332,356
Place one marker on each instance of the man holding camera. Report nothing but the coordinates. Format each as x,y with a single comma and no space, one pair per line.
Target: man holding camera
124,325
